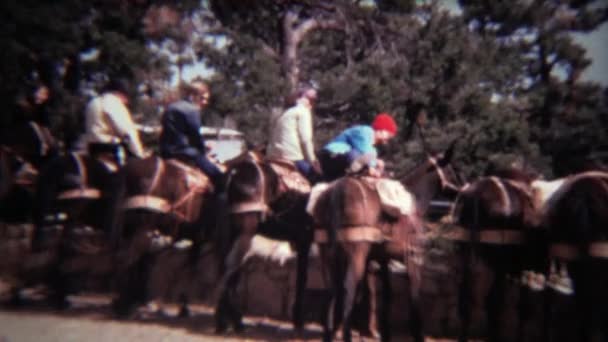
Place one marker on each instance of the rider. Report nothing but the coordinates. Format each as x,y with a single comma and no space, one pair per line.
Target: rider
355,147
181,138
291,135
108,122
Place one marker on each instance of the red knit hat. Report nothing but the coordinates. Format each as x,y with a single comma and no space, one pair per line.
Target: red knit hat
384,121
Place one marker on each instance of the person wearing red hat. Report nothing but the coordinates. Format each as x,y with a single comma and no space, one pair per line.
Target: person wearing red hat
355,148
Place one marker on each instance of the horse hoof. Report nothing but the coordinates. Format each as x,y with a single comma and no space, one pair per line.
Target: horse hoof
184,312
221,328
60,304
239,328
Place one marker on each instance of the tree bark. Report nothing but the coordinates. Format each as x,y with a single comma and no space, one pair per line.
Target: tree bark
294,33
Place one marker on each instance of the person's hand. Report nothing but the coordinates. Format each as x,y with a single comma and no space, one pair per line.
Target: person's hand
316,166
375,172
380,165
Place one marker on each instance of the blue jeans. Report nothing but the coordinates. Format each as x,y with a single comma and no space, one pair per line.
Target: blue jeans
306,169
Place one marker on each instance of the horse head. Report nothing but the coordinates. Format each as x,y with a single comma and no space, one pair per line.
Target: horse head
435,177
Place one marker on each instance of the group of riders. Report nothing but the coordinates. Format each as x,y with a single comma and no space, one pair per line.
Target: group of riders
111,131
109,127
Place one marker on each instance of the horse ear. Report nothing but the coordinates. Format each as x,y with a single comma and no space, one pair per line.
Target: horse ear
447,155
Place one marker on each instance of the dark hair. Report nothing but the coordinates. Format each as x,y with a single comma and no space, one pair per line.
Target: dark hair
120,85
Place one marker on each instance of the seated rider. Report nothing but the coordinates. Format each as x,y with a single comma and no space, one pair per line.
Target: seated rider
357,145
108,124
291,135
29,133
181,138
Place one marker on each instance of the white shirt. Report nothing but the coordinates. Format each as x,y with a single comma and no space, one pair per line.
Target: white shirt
291,134
107,120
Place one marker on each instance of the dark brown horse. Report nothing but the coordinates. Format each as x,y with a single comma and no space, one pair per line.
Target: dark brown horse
259,203
575,216
353,227
168,208
79,194
494,220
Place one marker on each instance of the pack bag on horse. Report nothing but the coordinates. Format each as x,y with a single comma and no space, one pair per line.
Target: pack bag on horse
574,215
172,201
82,191
25,147
358,218
493,229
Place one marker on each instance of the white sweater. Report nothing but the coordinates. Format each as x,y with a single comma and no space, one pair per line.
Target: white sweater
107,120
291,134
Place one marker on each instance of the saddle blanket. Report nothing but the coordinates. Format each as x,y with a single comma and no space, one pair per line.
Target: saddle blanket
396,201
291,178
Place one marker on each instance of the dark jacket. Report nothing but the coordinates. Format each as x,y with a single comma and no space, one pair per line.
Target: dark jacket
180,135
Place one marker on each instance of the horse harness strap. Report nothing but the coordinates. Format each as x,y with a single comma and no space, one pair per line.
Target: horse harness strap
83,191
148,202
160,204
489,236
352,234
44,145
570,252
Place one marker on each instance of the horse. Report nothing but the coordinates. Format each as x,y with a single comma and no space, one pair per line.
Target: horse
261,202
79,194
352,228
493,224
574,216
168,209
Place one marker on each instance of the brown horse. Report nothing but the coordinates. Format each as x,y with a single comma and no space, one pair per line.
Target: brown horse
575,216
494,220
352,227
80,194
259,203
166,201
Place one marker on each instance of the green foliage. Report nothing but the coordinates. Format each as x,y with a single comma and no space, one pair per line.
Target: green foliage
502,80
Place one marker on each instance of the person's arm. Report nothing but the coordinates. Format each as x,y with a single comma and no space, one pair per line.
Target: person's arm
193,126
305,133
122,122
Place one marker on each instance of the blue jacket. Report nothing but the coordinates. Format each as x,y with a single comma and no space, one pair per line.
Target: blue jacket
354,141
180,134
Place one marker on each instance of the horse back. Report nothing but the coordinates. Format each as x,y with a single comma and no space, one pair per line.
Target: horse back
496,204
166,186
350,202
578,211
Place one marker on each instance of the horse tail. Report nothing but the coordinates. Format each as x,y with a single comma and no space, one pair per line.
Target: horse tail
245,181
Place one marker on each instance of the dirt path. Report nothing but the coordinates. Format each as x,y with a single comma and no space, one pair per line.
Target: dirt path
89,319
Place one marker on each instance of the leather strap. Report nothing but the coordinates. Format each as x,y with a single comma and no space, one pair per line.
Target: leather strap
353,234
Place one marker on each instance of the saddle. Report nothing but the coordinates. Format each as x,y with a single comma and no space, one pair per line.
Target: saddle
290,179
80,182
185,206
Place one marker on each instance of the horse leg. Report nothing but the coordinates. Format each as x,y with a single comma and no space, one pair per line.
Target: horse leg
384,313
332,272
415,278
303,249
357,258
227,304
464,297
